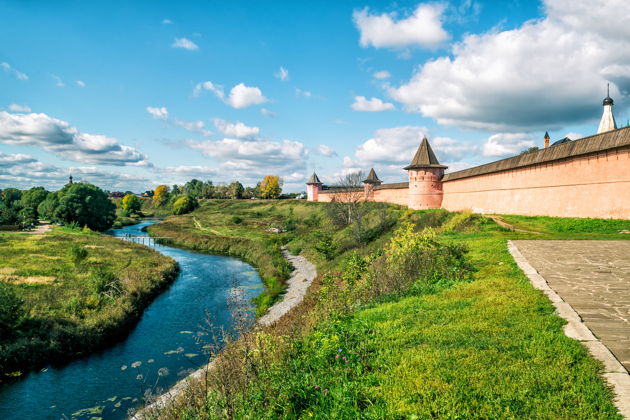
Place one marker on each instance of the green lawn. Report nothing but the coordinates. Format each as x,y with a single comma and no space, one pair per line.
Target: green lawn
71,305
484,345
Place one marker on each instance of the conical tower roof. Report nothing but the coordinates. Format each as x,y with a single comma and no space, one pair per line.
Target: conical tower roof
424,158
372,178
314,179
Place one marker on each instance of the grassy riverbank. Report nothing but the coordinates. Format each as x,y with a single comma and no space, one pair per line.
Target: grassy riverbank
78,290
410,323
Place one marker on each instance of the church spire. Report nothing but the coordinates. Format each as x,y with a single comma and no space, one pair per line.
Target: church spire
608,119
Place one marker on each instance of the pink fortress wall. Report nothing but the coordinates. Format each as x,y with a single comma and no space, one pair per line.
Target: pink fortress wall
394,196
595,185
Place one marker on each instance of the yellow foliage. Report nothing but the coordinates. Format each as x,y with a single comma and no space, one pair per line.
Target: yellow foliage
270,187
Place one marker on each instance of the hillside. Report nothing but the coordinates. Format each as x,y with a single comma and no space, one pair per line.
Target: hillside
424,315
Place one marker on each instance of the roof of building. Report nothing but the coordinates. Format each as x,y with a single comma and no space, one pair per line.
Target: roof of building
600,142
372,178
314,179
561,141
392,186
547,135
424,157
608,100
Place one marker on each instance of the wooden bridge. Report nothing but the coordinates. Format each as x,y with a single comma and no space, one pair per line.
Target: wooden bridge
144,240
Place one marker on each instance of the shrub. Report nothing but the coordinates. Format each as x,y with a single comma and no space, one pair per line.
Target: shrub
104,283
237,220
77,254
327,246
11,310
185,205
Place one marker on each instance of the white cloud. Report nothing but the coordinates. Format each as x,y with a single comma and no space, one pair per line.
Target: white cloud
267,113
381,75
160,113
19,108
241,96
24,171
304,93
188,172
372,105
194,126
216,89
166,21
58,81
59,137
294,177
11,70
282,74
237,129
540,76
507,144
184,43
80,83
327,151
422,28
250,160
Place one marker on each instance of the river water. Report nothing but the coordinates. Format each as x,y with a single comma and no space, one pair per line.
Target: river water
163,347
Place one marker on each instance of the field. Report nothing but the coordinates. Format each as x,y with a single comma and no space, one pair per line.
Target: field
408,322
79,290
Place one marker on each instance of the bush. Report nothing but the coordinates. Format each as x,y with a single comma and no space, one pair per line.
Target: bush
326,246
237,220
77,254
185,205
102,282
11,311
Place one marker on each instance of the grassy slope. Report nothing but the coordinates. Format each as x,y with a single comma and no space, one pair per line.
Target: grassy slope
489,348
64,317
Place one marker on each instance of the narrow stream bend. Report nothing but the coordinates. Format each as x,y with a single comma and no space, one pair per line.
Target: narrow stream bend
162,348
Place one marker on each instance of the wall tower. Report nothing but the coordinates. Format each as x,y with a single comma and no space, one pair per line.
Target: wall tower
608,119
313,187
425,179
369,183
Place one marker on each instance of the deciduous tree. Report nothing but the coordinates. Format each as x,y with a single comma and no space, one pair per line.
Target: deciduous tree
131,203
271,187
160,196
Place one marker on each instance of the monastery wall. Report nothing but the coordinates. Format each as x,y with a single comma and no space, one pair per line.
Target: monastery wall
396,195
592,185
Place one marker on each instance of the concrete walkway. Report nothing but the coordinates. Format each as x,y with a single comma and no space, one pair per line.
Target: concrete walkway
589,283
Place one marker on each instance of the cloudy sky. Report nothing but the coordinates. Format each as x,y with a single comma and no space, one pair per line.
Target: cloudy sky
129,95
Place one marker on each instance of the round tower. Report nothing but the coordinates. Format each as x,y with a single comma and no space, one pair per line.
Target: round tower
425,179
313,187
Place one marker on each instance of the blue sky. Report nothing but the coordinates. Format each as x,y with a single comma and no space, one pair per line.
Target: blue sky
130,95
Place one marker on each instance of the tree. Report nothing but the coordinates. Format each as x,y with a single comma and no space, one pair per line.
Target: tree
10,196
235,190
11,310
160,196
131,203
271,187
176,190
32,198
193,188
8,216
207,191
529,150
84,204
185,205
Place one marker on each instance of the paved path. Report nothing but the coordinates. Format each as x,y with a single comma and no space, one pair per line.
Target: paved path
589,283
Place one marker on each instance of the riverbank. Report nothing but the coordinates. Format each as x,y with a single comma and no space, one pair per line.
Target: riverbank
76,292
411,322
301,278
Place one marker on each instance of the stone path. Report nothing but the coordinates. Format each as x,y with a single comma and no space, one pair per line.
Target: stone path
589,283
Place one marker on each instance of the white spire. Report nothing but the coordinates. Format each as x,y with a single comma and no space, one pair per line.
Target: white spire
608,119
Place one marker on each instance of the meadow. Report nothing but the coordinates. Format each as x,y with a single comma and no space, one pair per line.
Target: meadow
78,291
427,316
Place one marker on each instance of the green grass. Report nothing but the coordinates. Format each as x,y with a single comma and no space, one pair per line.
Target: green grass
65,314
567,228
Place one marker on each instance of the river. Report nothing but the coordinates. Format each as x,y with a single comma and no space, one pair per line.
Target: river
162,348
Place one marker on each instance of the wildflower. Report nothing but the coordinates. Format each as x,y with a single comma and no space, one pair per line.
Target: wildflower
337,357
163,371
139,377
136,364
316,386
325,391
123,367
339,351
